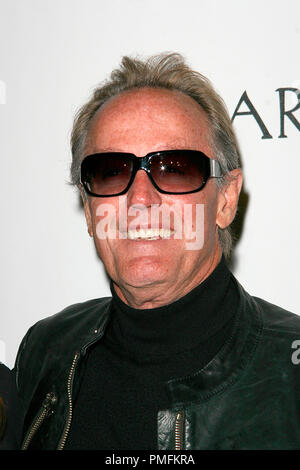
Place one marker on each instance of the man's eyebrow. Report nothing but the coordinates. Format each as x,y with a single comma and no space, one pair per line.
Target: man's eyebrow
106,149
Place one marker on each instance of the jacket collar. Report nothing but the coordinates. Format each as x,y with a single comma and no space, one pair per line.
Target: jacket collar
230,362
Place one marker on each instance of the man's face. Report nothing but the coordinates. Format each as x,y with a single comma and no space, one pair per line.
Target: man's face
139,122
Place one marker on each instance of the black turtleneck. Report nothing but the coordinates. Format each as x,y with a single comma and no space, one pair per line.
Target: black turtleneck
124,382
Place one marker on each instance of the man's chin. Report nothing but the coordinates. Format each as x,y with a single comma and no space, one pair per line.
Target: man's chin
143,273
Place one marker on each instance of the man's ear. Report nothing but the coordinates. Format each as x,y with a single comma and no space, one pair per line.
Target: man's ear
87,210
228,198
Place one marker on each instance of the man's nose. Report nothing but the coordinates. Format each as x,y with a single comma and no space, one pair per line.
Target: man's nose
142,191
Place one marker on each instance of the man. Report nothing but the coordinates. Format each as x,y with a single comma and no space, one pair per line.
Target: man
180,357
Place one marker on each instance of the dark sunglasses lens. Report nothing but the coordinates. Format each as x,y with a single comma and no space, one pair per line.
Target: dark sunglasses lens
106,174
180,171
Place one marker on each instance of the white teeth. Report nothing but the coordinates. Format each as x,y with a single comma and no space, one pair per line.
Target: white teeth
165,233
149,234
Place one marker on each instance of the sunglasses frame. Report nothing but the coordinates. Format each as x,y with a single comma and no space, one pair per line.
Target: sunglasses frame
143,163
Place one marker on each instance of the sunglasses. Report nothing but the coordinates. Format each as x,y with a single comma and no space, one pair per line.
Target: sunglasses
170,171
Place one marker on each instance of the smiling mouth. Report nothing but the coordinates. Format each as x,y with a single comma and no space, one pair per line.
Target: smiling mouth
149,234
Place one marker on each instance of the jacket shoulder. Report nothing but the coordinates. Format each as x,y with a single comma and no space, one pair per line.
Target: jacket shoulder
278,319
78,313
65,331
83,315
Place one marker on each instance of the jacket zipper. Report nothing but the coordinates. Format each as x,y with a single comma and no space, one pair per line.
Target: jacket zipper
179,430
69,387
51,399
66,430
44,411
69,419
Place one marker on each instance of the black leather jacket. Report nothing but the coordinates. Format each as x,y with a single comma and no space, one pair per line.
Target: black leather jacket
247,397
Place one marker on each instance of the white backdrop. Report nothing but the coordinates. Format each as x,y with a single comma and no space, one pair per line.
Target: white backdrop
53,53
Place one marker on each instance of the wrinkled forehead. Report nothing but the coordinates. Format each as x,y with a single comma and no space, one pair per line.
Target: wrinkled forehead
148,119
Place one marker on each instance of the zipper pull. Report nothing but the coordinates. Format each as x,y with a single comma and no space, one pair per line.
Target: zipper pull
49,402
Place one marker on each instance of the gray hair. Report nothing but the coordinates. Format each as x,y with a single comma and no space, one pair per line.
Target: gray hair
168,71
